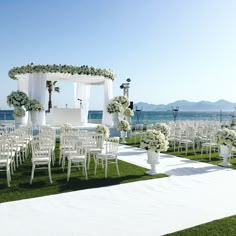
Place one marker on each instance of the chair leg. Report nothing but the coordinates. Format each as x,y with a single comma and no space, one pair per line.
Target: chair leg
12,167
63,162
209,153
106,168
49,172
85,171
53,157
60,157
8,175
117,167
95,166
32,173
68,170
89,156
194,149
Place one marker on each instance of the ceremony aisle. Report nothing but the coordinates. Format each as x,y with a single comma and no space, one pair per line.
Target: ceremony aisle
195,193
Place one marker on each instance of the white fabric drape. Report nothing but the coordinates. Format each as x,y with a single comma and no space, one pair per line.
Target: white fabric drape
37,90
108,94
23,86
82,91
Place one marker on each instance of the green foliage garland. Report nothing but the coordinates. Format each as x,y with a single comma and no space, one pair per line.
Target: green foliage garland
65,69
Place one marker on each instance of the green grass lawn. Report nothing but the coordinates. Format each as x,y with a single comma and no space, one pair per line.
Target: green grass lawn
215,158
21,189
222,227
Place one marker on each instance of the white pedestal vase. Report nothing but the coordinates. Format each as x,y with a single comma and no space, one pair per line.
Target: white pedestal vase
115,119
153,160
34,116
18,121
123,135
225,152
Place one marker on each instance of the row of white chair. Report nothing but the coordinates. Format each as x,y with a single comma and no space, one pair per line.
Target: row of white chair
14,149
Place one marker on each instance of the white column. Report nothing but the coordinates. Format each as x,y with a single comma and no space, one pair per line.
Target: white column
37,90
108,95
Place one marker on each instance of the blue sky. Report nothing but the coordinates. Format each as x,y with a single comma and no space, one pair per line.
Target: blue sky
171,49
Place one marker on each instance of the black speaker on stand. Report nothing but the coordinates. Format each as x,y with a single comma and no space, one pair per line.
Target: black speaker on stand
131,105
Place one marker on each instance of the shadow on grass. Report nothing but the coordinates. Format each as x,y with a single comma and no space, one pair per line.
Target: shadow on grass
76,183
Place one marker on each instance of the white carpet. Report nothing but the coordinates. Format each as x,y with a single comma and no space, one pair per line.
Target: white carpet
195,193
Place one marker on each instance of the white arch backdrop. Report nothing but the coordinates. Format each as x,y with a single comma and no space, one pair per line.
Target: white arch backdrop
34,85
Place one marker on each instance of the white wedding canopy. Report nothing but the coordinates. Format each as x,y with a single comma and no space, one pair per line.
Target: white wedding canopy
34,85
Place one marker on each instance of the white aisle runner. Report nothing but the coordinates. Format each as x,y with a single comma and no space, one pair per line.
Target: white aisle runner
195,193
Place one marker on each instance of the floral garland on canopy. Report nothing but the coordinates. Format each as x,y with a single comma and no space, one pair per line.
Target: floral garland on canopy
65,69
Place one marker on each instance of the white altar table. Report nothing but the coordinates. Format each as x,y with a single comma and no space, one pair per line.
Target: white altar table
59,116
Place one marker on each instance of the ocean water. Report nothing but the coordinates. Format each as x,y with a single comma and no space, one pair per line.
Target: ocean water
150,117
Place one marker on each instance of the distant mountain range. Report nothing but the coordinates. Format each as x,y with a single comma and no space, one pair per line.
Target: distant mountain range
188,106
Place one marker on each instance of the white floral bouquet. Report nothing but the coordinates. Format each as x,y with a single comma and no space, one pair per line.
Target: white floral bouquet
33,105
164,128
226,137
154,140
123,125
67,126
123,100
102,129
114,107
17,99
128,112
18,112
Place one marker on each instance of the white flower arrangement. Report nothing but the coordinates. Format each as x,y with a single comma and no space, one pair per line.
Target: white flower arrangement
123,125
102,129
128,112
226,137
34,105
114,107
18,112
164,128
17,99
67,126
123,100
154,140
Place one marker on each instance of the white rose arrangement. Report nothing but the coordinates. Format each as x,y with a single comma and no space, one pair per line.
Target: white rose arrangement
226,137
102,129
17,99
67,126
123,125
118,104
128,112
18,112
123,100
154,140
164,128
114,107
34,105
